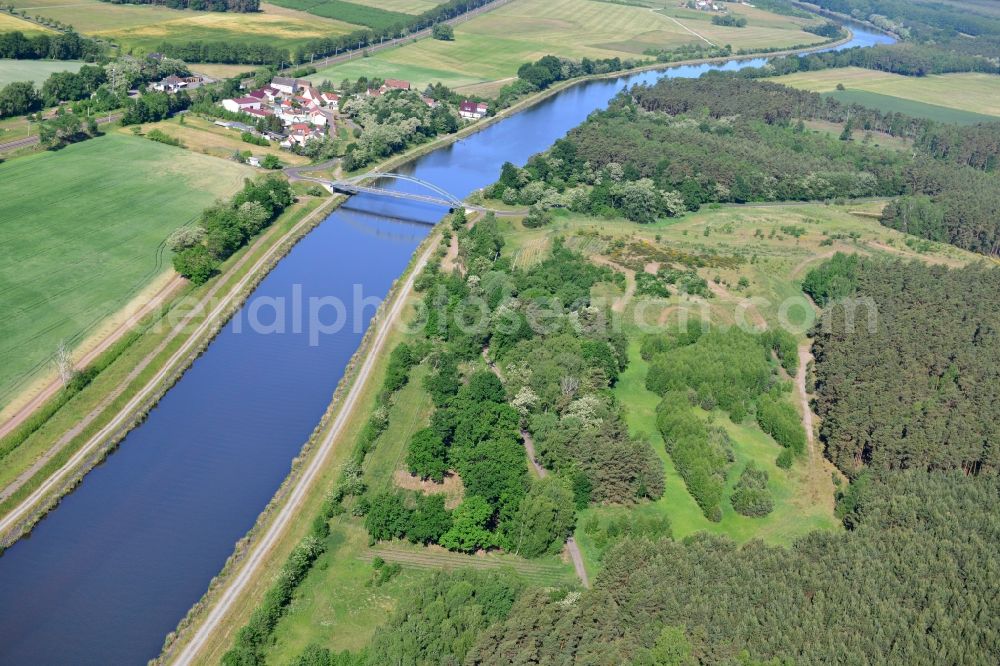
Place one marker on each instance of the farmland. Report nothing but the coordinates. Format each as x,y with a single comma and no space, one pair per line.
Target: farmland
33,70
909,107
145,27
9,23
349,12
83,231
972,92
491,47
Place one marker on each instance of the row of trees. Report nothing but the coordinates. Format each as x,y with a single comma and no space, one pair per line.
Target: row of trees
225,227
62,46
198,5
729,369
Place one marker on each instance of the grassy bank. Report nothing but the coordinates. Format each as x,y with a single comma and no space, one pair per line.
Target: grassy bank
129,387
77,250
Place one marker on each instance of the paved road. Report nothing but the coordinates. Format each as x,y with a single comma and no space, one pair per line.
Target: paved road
255,558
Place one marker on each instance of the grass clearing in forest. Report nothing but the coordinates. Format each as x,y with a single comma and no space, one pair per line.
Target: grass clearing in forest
491,46
33,70
83,230
973,92
779,243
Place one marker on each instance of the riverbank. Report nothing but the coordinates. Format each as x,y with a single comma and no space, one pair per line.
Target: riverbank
461,179
175,350
209,627
271,552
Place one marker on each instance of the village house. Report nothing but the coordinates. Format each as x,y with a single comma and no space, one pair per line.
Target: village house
170,84
241,104
288,86
259,113
312,94
473,110
331,100
395,84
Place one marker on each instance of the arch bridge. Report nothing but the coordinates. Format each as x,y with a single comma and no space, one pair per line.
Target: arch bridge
438,196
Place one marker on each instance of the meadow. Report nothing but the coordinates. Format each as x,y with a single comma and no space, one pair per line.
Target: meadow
776,262
972,92
204,136
83,231
490,47
9,23
34,70
145,27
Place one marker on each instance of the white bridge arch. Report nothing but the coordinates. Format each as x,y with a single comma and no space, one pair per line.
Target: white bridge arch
437,195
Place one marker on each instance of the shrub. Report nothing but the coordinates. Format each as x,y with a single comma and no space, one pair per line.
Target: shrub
751,496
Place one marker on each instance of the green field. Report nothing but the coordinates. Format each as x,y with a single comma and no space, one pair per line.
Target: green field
349,12
909,107
83,231
34,70
145,27
972,92
491,47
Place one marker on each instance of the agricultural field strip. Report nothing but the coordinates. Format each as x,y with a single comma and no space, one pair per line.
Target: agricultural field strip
10,520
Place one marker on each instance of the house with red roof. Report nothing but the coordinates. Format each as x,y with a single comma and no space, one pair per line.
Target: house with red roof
473,110
395,84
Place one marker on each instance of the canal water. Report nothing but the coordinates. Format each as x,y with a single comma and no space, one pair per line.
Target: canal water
118,563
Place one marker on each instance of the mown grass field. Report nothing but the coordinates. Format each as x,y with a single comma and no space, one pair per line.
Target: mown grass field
82,230
9,23
763,29
145,27
203,136
972,92
33,70
491,47
413,7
